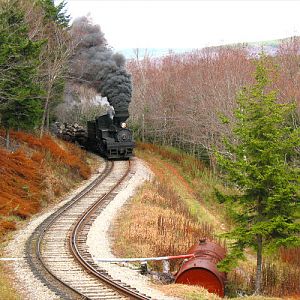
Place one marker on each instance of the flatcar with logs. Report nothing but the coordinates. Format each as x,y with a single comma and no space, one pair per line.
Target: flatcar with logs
109,136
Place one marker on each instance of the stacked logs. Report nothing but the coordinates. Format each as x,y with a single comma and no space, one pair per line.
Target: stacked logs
70,132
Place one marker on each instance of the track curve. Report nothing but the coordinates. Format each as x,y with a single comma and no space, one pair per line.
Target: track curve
57,253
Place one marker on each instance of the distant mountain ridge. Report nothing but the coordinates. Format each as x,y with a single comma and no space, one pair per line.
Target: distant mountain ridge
130,53
270,47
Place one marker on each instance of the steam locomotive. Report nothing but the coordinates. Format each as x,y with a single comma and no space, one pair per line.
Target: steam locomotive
109,136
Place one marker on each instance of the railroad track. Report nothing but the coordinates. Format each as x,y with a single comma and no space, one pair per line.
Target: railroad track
57,252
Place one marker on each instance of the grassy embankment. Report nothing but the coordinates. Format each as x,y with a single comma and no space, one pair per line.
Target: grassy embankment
177,209
36,174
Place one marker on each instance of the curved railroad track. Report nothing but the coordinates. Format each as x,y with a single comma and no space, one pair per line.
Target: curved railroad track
57,252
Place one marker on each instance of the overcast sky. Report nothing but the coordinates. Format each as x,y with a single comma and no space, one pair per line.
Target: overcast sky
189,24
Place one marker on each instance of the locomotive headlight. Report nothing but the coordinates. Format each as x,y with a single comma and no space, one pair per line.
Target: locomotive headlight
123,125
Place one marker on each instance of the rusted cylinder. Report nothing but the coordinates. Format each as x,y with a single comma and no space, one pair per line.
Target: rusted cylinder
202,268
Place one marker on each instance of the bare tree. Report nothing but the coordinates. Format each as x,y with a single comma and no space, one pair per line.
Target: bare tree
58,48
178,99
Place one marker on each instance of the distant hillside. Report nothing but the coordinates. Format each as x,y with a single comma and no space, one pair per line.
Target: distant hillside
130,53
269,47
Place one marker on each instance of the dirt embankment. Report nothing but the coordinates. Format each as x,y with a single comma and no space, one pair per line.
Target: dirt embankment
34,173
169,215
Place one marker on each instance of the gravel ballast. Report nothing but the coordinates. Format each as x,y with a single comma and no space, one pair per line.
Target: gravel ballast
24,281
31,288
98,239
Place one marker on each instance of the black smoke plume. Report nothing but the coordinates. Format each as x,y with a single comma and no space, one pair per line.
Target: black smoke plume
95,65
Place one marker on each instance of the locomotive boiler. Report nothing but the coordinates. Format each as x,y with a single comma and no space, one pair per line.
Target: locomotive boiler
109,136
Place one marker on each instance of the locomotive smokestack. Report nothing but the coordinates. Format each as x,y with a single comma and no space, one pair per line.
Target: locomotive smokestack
97,66
121,116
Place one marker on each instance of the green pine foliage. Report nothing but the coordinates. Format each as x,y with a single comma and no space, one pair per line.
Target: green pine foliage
262,164
55,13
20,95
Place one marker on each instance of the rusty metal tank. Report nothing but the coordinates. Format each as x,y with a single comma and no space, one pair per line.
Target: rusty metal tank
202,268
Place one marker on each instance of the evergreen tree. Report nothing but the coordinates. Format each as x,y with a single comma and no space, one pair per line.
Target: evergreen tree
55,13
20,103
263,166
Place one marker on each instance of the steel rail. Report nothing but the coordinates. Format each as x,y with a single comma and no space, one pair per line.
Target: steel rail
126,291
35,259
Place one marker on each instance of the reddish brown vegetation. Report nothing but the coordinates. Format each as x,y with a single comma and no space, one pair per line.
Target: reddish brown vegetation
46,145
6,226
171,221
167,226
24,175
290,255
280,278
20,184
178,99
190,165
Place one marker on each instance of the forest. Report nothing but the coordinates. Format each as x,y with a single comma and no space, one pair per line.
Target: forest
180,100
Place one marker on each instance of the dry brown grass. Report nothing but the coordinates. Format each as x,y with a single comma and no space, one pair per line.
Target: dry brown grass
290,255
37,173
7,292
69,155
188,292
279,279
190,178
169,215
164,218
166,228
174,218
